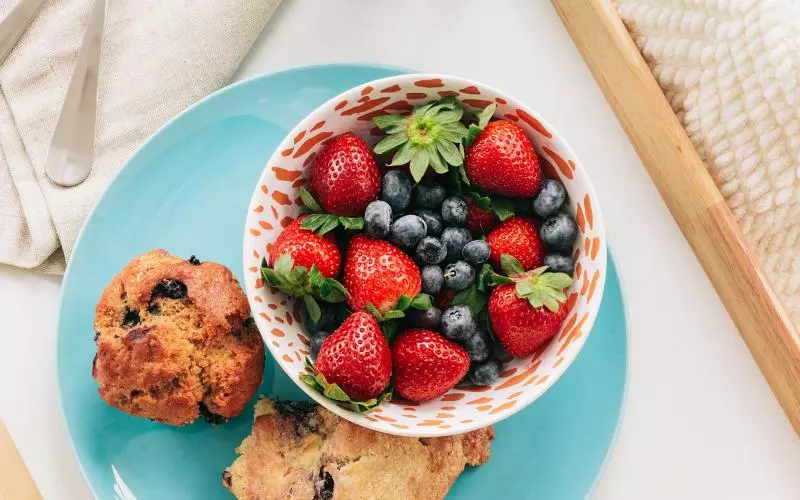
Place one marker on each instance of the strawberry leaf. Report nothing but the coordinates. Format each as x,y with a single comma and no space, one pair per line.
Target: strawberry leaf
422,301
329,225
374,311
390,329
503,209
309,200
543,289
450,153
402,156
284,264
390,123
486,114
484,202
314,312
315,221
403,302
510,265
472,133
301,282
472,298
391,142
393,314
353,223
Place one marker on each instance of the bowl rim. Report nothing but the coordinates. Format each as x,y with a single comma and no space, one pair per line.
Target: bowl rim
357,418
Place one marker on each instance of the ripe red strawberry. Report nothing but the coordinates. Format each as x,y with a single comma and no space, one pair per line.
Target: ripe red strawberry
307,248
478,219
528,313
502,160
378,272
518,237
356,357
426,365
344,178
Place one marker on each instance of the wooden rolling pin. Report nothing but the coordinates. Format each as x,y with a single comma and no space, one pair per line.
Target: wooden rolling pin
15,480
690,193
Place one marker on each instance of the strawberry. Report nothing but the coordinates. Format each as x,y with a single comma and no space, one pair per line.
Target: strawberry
426,365
478,219
529,312
518,237
378,273
356,357
303,264
307,248
345,178
502,160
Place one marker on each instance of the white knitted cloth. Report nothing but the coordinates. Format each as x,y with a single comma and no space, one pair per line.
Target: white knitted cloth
731,71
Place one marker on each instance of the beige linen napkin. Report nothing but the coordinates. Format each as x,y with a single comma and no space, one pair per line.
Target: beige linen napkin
731,70
159,56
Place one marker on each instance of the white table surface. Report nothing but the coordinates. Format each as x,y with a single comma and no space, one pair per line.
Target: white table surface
700,421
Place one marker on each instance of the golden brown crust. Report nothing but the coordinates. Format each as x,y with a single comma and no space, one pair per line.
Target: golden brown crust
301,451
173,341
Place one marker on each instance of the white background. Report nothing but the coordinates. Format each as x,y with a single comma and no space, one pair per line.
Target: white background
700,421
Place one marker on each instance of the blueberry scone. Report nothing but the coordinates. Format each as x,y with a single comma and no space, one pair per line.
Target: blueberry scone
301,451
175,341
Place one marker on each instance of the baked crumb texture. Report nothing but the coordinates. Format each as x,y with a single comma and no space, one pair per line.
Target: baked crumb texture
175,341
301,451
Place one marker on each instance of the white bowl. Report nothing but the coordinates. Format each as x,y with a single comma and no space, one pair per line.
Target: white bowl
275,203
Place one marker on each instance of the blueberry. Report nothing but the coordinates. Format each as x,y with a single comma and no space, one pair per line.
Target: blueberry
171,289
476,252
429,319
432,279
459,275
431,250
433,220
559,263
429,194
478,346
454,211
559,232
454,239
396,189
378,219
549,199
522,206
457,323
130,318
316,342
407,231
485,373
193,260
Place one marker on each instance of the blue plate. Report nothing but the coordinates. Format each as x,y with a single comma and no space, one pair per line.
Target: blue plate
187,191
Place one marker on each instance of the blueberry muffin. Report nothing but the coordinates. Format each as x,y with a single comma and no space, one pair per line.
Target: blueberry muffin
301,451
175,341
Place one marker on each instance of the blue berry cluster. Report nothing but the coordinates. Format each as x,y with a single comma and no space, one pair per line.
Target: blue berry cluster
429,224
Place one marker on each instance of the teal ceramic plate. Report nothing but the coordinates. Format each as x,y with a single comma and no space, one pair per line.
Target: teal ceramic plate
187,191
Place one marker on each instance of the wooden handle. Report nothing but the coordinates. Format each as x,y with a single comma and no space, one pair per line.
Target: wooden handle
690,193
15,480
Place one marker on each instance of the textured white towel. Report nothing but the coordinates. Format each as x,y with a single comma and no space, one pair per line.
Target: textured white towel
159,56
731,70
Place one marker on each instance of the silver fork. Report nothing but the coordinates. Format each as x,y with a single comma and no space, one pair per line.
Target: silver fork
71,154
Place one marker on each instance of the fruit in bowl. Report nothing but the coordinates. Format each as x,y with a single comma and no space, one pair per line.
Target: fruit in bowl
433,250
